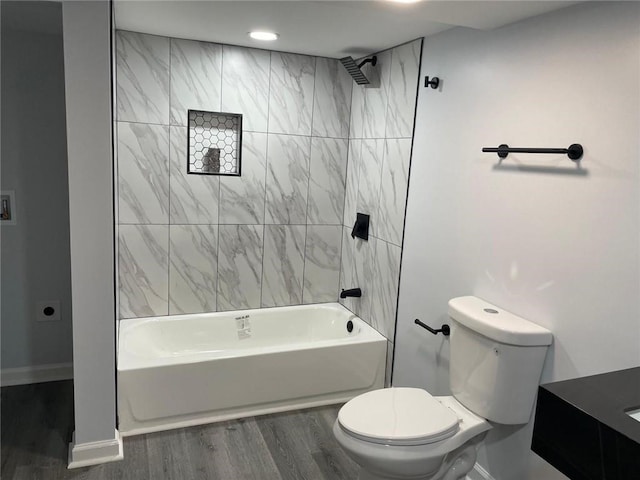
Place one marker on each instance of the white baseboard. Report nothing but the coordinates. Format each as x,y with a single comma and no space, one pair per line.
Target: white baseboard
94,453
479,473
36,374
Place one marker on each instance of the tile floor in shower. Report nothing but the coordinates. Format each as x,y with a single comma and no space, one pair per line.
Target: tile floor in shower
37,422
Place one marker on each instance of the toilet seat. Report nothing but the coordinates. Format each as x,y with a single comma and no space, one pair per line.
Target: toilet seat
398,416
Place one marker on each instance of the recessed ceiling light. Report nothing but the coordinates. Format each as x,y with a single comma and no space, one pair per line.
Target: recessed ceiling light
262,35
405,1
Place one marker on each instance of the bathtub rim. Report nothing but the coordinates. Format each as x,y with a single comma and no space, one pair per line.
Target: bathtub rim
367,334
320,305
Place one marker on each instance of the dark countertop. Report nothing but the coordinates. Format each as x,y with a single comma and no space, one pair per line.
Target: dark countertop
605,397
581,426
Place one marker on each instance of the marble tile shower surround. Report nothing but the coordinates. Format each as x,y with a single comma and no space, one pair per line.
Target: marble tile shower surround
194,243
142,77
286,197
143,173
282,271
380,138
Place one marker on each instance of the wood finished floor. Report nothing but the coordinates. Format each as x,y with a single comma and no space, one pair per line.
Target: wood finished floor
37,422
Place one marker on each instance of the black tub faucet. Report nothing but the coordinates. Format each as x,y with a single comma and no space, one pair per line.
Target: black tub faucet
352,292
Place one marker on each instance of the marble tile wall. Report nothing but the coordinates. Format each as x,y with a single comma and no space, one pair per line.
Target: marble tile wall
196,243
380,138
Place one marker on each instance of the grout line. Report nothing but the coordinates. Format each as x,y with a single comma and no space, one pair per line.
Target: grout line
384,146
304,258
220,181
371,236
304,262
306,231
239,224
386,113
315,72
169,200
262,132
266,159
222,77
217,266
349,102
380,200
340,265
266,176
264,236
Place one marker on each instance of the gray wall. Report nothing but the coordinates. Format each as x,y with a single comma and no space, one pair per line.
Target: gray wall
194,243
87,58
380,137
555,245
35,252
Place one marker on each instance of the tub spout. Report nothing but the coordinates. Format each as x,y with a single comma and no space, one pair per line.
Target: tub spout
352,292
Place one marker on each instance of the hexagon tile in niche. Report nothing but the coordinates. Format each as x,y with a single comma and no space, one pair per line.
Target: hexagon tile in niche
215,143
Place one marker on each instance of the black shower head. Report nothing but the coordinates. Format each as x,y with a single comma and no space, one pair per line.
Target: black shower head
354,68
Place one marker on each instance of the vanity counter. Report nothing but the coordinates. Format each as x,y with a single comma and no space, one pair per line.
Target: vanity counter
582,426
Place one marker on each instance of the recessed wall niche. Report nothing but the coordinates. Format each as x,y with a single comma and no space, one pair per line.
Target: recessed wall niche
215,143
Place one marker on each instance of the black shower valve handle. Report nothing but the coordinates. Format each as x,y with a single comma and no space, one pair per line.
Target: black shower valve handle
361,227
444,329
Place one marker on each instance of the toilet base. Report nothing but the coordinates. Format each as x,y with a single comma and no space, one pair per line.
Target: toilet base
455,465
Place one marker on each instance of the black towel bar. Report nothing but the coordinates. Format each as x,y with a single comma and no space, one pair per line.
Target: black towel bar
574,152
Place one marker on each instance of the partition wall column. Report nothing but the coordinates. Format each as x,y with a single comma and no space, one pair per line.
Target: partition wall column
87,31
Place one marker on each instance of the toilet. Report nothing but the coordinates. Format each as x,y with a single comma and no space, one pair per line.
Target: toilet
496,360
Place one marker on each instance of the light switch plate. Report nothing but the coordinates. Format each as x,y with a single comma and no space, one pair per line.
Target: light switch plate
8,207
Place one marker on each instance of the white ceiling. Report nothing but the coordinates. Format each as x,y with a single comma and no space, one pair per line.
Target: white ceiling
325,28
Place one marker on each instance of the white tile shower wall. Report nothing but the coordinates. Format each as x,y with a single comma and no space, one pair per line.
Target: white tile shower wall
327,181
291,93
194,199
193,269
242,198
376,97
143,173
380,138
322,263
283,266
142,78
246,85
199,243
405,64
393,190
240,266
143,266
287,179
369,178
196,78
332,97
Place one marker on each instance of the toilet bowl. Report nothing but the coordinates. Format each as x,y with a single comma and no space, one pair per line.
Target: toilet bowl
496,360
405,433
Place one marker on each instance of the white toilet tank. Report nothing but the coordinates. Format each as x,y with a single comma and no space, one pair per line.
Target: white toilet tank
496,360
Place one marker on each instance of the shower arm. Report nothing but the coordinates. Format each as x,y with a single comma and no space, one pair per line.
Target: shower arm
373,60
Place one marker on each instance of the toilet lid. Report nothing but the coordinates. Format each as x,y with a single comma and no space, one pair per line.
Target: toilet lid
398,416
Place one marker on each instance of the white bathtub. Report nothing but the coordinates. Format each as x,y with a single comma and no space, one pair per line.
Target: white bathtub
191,369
